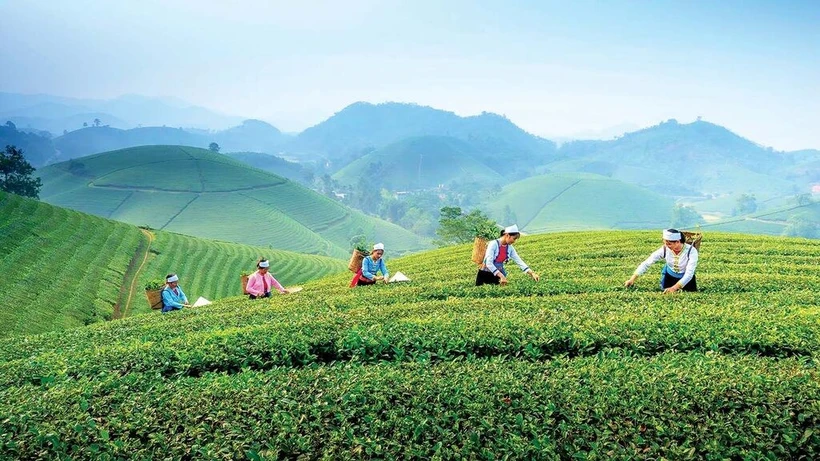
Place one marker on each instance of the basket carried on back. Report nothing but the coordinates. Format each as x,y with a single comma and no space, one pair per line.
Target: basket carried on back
693,238
244,280
479,248
154,298
356,261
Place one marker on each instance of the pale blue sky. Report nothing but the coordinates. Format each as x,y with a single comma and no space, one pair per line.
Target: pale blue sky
555,67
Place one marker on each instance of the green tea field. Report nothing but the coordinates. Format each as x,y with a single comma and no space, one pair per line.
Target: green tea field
197,192
580,201
63,268
573,366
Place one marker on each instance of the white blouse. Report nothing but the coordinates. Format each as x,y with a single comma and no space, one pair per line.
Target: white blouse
684,262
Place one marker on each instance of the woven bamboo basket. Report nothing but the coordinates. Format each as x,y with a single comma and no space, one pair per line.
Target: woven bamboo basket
693,238
356,261
154,298
244,280
479,248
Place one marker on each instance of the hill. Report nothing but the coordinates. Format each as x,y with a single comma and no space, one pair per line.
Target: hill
38,148
274,164
683,159
422,163
197,192
94,140
437,368
61,269
578,201
362,126
126,111
791,220
251,135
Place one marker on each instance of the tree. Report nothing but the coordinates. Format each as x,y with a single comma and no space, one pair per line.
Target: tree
745,204
802,225
804,199
213,147
15,174
11,125
685,216
85,124
456,227
97,122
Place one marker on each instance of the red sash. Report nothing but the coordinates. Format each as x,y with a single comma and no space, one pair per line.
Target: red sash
502,253
355,280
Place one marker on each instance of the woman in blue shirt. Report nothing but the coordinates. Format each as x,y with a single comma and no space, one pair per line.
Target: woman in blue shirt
172,296
373,264
498,252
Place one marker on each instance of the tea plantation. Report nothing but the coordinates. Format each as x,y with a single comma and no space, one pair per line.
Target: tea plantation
61,269
201,193
574,366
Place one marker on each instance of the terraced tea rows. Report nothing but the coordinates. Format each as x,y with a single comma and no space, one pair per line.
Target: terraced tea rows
574,364
197,192
62,269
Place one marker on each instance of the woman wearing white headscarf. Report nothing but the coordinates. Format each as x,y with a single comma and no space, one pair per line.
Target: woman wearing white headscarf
371,265
681,261
260,282
498,252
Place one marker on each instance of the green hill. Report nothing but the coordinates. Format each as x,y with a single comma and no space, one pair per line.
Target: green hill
197,192
276,165
574,365
251,135
362,126
61,269
684,159
421,163
577,201
791,220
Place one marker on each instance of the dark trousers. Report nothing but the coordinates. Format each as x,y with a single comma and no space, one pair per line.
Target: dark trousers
484,277
667,280
266,295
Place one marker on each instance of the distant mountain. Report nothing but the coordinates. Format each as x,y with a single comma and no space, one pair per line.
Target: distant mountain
682,159
93,140
251,135
422,163
60,125
364,126
58,113
38,149
201,193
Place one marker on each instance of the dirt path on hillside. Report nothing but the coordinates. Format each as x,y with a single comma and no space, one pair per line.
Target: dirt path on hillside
135,271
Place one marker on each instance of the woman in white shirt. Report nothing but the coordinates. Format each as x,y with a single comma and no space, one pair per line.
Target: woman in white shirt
681,261
498,252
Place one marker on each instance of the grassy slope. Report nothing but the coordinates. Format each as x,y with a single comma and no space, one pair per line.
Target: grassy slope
572,364
60,268
419,163
179,188
574,201
769,222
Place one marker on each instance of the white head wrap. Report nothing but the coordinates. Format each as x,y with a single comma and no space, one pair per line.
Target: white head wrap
378,246
512,230
671,235
172,278
264,264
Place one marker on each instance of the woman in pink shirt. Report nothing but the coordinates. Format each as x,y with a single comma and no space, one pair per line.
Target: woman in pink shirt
261,282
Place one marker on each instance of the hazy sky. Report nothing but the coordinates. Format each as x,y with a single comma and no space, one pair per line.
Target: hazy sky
554,68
